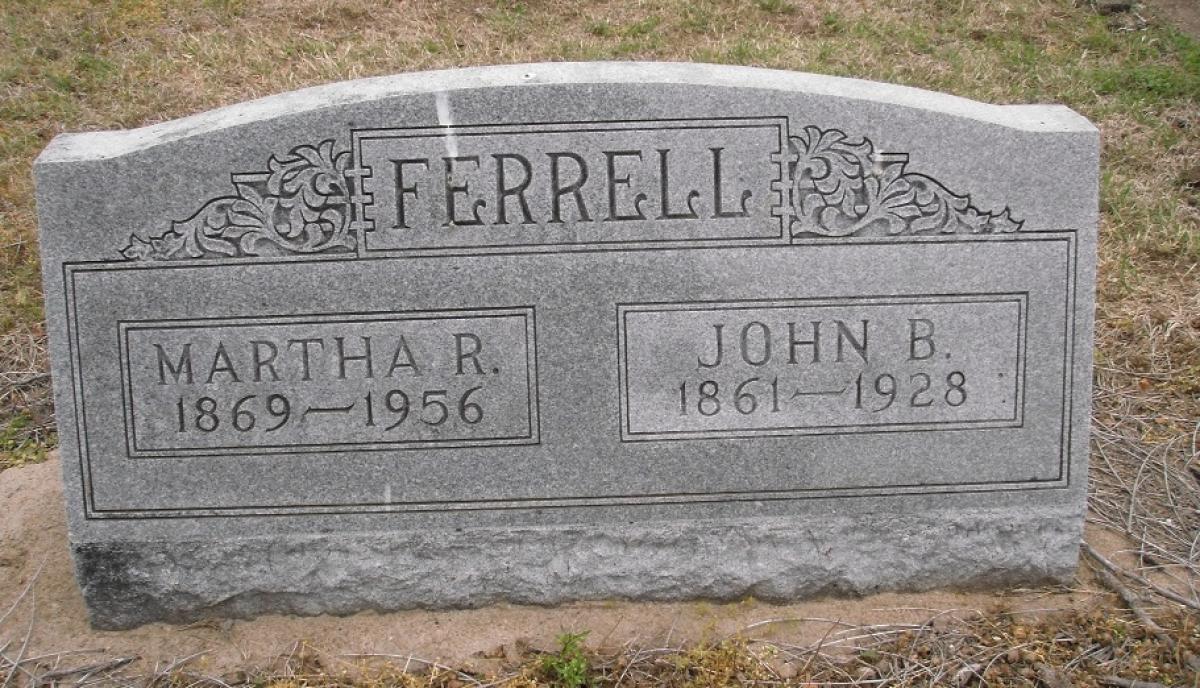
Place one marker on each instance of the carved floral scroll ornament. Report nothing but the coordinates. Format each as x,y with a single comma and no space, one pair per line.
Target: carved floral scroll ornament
300,206
843,188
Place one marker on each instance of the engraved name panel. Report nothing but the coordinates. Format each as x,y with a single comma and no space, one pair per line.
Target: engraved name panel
329,382
709,370
697,181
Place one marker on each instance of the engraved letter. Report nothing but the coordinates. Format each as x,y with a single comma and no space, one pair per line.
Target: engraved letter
408,362
402,190
184,366
221,364
718,212
766,345
304,355
365,357
815,342
845,336
664,187
260,362
476,346
557,190
614,181
924,337
503,192
454,190
720,351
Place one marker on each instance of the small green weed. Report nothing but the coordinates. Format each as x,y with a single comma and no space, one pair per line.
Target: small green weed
602,28
569,667
833,24
776,6
18,446
509,19
644,27
699,18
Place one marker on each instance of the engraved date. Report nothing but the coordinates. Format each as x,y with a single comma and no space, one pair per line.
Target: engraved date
885,385
873,393
272,412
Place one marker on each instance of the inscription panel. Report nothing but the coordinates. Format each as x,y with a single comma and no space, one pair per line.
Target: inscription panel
813,366
699,182
576,381
283,384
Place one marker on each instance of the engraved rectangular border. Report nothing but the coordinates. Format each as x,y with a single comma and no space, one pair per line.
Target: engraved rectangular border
779,158
1066,237
531,436
1021,299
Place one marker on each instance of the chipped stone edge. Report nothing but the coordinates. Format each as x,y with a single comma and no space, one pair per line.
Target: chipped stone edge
110,144
132,583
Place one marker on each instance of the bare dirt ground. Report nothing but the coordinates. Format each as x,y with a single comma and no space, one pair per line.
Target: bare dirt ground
33,549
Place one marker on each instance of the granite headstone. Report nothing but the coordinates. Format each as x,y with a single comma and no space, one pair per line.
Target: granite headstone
554,332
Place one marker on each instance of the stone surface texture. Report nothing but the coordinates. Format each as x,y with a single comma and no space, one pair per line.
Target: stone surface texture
552,332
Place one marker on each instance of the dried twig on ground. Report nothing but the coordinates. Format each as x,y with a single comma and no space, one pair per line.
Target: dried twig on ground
409,659
1141,580
16,662
87,670
1128,683
1143,480
1134,605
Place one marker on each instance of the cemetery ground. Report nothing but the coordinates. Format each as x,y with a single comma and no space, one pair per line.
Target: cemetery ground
1133,612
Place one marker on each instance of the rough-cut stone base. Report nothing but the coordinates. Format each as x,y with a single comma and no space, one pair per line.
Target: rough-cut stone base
131,583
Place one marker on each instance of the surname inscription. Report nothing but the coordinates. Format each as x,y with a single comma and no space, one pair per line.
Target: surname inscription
659,181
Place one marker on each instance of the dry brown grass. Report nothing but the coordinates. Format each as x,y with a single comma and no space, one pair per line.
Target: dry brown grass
26,410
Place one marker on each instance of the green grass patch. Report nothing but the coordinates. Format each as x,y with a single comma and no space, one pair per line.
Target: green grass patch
776,6
1163,67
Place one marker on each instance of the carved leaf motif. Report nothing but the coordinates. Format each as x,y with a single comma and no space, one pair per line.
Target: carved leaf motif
300,206
844,188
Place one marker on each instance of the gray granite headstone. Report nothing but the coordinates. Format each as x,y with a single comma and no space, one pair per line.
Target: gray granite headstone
556,332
